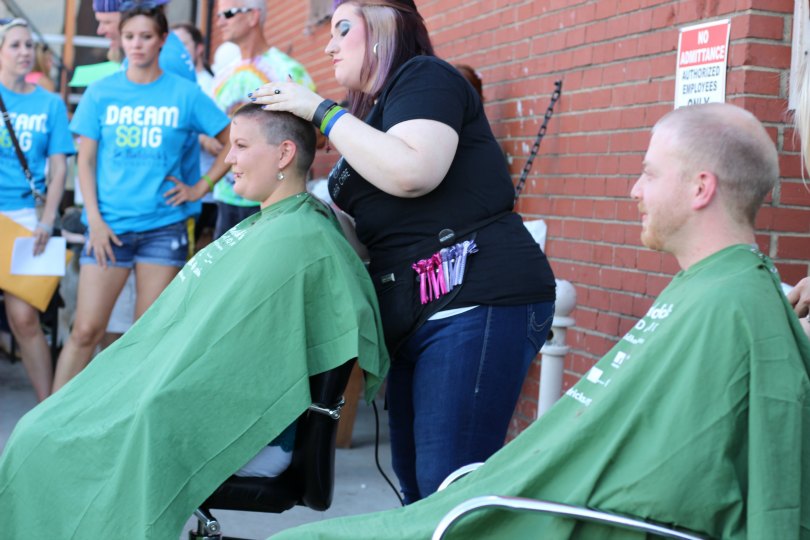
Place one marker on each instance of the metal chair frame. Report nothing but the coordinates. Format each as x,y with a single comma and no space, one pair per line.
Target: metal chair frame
547,507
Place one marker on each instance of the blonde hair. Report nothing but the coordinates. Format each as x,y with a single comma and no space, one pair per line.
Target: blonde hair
41,52
801,115
8,24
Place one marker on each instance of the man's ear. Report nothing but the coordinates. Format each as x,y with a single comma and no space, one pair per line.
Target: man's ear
255,18
704,189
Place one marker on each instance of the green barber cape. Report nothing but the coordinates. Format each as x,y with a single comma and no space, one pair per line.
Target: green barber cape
698,417
213,371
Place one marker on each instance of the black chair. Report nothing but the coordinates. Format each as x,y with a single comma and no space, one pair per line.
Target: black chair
309,480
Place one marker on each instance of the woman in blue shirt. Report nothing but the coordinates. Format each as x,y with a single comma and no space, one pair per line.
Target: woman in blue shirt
133,125
39,120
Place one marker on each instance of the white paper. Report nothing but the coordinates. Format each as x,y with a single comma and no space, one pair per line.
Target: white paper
50,262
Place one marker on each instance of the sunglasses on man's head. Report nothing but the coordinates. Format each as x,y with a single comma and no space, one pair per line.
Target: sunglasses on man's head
233,12
13,21
129,5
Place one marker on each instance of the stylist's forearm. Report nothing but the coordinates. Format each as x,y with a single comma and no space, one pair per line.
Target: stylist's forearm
389,161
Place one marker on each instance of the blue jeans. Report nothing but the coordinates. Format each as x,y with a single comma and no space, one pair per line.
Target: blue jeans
452,389
164,246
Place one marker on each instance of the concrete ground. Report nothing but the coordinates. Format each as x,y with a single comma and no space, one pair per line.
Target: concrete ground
359,487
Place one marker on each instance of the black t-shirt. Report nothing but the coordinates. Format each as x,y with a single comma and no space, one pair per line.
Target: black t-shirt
509,267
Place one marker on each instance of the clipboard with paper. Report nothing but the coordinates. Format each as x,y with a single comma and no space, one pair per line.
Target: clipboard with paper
37,290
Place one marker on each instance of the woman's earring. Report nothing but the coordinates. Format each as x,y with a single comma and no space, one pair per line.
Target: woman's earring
374,49
280,176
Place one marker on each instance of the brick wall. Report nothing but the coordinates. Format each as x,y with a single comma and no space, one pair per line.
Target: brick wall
617,62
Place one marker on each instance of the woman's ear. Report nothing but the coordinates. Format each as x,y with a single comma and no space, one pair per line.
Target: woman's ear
286,151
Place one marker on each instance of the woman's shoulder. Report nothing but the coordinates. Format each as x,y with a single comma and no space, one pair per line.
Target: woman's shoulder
429,63
47,97
112,80
425,72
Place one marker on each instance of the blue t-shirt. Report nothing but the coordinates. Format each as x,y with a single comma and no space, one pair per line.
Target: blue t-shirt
175,58
141,131
40,122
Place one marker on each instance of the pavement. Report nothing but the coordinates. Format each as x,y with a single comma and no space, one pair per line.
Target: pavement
359,487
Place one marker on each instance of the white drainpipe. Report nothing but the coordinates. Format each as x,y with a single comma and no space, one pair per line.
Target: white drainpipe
555,349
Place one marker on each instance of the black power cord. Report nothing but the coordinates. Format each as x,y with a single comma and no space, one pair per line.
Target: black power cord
377,452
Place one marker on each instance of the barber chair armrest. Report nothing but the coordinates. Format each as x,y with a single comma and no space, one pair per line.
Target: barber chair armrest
458,473
557,509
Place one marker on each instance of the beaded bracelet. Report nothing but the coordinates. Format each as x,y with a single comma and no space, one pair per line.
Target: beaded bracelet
208,181
332,121
325,106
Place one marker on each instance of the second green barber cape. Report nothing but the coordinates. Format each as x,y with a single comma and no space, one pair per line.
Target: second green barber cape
698,417
212,372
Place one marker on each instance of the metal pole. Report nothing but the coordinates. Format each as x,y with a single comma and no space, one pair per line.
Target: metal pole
68,50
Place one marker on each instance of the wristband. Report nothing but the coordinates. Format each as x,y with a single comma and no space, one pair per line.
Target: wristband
47,228
332,120
329,115
208,181
321,111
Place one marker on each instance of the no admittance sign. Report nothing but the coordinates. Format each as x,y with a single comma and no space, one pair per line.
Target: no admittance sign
702,62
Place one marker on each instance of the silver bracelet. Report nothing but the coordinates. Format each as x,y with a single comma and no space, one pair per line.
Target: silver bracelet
47,228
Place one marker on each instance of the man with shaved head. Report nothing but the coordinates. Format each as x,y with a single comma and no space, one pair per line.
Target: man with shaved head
699,417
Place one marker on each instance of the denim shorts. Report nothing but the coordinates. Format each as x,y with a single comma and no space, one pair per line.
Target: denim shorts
164,246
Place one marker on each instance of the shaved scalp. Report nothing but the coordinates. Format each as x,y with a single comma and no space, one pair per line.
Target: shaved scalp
277,127
733,145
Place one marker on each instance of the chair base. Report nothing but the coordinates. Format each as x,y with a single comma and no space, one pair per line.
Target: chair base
205,530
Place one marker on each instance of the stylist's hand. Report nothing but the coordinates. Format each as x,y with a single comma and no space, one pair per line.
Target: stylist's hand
287,96
41,236
799,297
99,245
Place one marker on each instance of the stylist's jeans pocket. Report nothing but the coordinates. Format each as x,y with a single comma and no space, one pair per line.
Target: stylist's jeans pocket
538,327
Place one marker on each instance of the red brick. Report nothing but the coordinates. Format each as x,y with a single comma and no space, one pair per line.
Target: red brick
625,257
776,6
793,247
757,26
621,303
791,220
656,284
634,282
790,165
625,324
792,273
753,81
794,193
764,242
649,260
765,109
